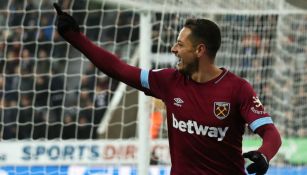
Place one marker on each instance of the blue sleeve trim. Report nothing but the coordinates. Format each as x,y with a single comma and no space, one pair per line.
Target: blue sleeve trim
144,78
260,122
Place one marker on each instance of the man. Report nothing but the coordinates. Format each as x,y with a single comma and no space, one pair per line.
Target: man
207,106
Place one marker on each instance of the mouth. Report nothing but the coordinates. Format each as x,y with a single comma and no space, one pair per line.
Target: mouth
179,61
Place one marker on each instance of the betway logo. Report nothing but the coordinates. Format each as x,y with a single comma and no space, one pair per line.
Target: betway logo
192,127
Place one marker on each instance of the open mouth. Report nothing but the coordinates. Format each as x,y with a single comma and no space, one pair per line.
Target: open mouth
179,61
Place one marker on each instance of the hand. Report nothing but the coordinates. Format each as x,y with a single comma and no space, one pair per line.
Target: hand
65,22
260,165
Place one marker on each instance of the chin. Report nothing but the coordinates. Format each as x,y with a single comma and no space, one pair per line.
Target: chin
179,67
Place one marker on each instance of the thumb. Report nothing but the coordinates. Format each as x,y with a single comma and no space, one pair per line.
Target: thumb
58,9
248,155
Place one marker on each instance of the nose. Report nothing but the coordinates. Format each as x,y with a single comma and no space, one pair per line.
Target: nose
173,49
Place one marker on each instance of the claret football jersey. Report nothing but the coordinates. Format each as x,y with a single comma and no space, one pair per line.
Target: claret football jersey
206,121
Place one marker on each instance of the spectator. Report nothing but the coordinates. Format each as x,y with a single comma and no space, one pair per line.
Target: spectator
85,125
9,119
156,118
40,123
69,126
56,94
25,119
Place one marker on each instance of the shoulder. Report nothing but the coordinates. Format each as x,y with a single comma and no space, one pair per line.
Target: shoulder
235,79
160,81
164,73
238,84
165,77
242,86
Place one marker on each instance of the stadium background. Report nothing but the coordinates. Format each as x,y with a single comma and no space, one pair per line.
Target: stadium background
60,115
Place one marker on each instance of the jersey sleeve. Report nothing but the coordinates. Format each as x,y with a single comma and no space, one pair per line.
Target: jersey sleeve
156,82
153,82
251,109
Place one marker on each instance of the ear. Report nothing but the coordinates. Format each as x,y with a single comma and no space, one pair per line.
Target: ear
201,50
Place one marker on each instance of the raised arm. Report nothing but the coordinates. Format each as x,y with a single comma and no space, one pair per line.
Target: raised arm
101,58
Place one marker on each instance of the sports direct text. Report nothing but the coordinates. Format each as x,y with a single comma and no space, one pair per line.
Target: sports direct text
192,127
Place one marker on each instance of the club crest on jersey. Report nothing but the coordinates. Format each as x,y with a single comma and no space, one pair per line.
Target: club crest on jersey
221,109
257,102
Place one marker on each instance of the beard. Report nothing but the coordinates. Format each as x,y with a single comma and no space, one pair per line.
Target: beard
190,68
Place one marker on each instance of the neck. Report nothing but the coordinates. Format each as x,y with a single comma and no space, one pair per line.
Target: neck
206,72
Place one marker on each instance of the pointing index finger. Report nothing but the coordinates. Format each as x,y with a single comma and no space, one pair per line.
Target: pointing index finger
57,8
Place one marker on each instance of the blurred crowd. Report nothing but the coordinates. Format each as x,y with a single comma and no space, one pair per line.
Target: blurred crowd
47,91
270,51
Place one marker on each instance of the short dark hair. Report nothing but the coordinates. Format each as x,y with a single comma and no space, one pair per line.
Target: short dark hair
207,32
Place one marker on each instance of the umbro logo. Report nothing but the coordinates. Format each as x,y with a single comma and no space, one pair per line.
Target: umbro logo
178,102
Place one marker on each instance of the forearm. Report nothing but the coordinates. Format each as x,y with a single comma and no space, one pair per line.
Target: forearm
271,140
104,60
